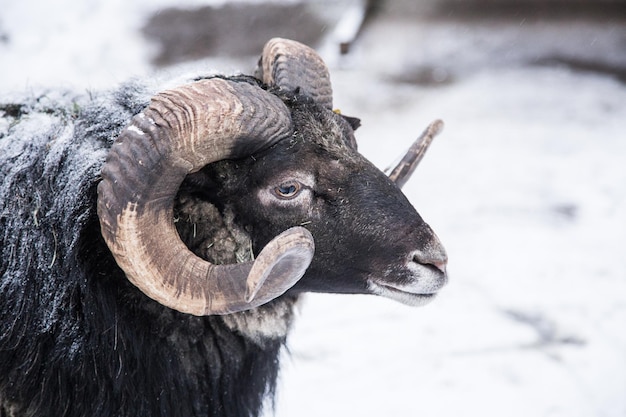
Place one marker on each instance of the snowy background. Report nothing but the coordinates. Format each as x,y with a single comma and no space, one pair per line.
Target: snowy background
526,186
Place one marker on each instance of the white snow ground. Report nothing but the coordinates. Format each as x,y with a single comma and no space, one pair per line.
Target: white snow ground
526,187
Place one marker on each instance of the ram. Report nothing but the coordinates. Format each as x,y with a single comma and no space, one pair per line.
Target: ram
156,240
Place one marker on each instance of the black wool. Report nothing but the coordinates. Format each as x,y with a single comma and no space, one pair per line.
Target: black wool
77,338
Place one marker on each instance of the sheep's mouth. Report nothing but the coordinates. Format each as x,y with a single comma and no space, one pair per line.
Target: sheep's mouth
414,299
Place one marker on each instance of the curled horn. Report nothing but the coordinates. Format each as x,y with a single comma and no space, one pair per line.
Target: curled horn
181,131
291,65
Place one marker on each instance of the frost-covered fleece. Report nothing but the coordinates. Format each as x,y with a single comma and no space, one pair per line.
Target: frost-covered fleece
76,338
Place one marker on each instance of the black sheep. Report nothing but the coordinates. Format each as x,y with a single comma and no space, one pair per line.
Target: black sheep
86,331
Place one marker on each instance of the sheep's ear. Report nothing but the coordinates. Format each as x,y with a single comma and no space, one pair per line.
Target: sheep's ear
354,122
291,65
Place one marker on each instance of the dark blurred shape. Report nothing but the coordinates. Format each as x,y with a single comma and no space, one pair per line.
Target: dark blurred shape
548,331
500,8
424,75
229,30
356,15
586,66
4,35
566,211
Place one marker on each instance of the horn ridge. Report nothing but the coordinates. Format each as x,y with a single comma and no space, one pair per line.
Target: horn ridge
292,65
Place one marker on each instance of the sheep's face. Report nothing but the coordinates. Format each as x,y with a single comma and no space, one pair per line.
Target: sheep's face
368,237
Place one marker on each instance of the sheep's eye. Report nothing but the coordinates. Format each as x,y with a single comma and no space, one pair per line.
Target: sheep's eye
288,190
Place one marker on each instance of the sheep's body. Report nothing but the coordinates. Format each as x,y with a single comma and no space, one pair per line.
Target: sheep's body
77,337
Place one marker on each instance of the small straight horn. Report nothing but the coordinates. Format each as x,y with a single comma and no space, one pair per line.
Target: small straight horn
404,169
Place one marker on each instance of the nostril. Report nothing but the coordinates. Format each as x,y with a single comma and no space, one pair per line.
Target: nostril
437,259
440,265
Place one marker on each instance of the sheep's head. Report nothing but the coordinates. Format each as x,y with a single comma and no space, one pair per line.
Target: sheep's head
321,217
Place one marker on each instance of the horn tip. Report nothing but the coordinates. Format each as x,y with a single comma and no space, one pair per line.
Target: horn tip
436,126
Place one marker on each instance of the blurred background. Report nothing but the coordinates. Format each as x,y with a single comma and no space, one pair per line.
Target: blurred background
526,187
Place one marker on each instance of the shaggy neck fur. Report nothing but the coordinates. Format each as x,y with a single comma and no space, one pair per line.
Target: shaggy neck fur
78,339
